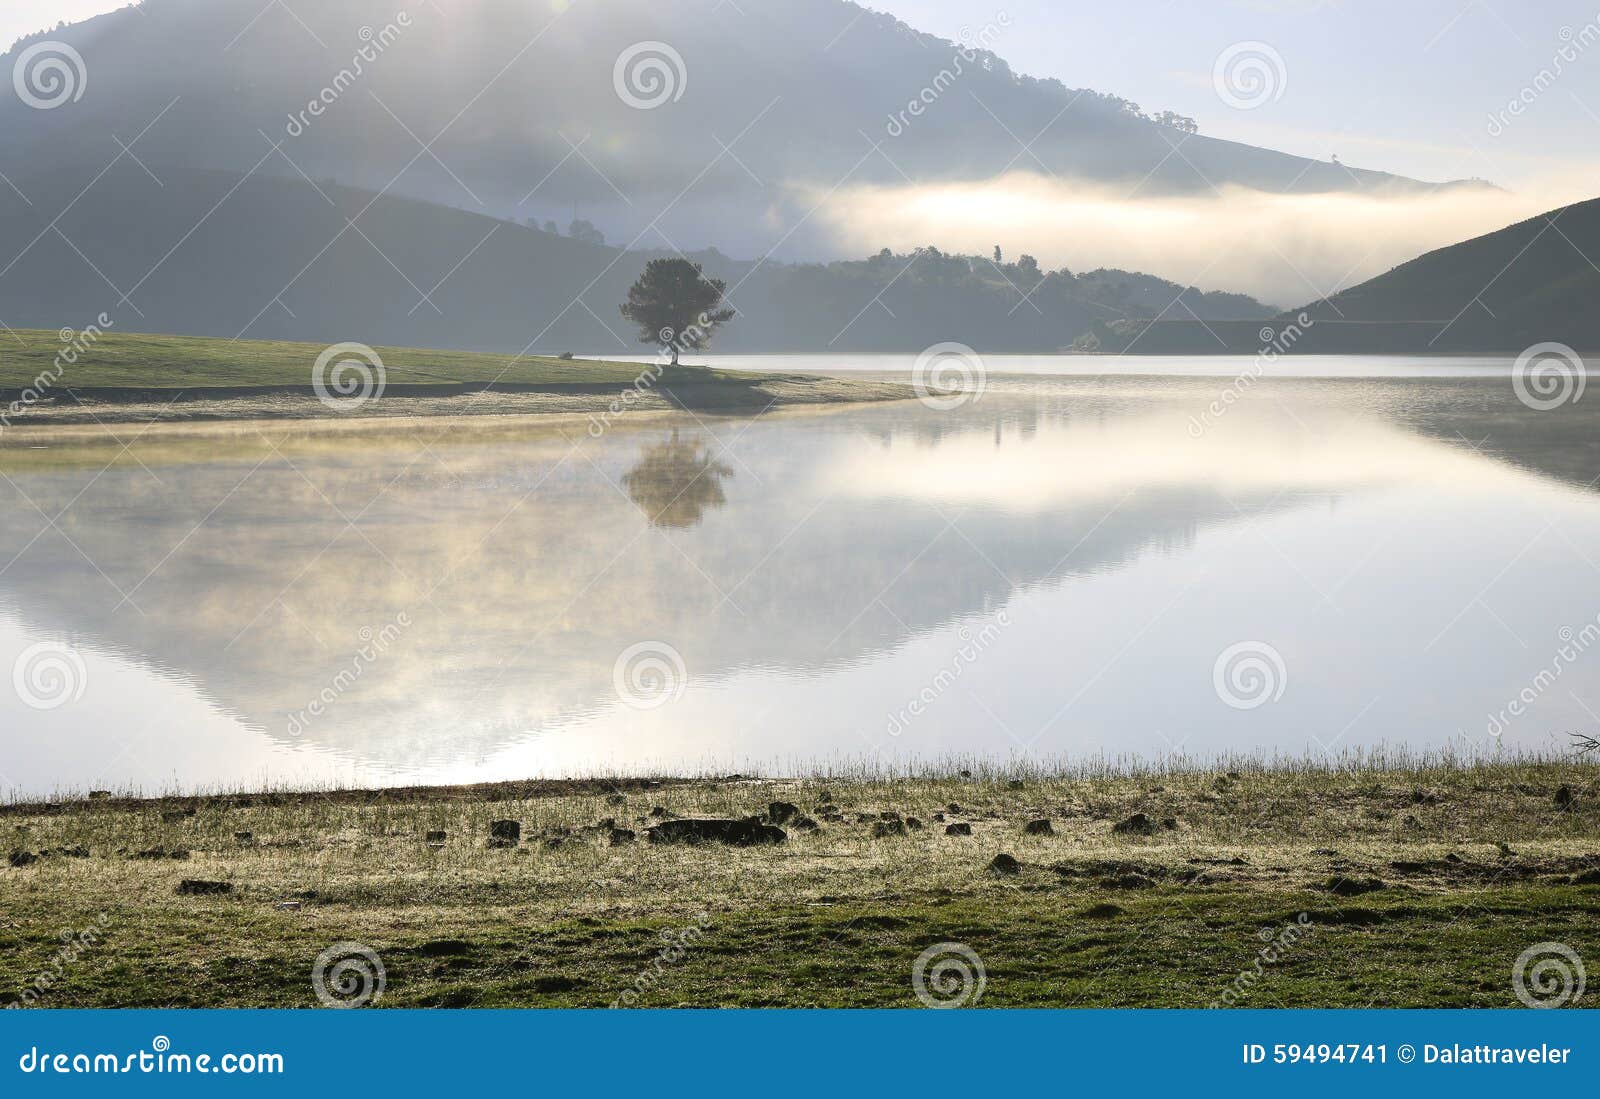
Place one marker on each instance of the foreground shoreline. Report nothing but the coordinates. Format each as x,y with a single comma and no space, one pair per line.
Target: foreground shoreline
1415,886
97,378
91,409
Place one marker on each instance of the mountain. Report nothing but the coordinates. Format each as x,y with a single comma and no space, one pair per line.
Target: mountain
1533,282
218,254
694,123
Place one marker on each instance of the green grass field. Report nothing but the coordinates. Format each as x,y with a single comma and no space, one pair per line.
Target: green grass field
1416,886
122,360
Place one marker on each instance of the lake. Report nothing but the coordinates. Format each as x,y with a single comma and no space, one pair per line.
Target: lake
1078,563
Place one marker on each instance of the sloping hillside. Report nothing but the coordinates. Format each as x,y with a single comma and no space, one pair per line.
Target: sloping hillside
214,254
1534,281
1537,281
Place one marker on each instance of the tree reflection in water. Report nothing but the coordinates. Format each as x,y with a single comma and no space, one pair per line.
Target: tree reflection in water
676,482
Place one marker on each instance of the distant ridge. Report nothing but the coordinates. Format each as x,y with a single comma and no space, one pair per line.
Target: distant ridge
1533,282
286,259
1530,282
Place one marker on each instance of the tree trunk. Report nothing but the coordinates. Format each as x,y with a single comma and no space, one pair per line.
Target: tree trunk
674,349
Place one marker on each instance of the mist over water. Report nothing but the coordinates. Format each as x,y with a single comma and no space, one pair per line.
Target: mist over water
1064,568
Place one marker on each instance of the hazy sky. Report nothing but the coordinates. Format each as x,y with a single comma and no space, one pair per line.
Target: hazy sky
20,17
1407,87
1403,85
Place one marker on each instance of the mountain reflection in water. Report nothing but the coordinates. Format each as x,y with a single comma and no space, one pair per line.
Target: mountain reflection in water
813,571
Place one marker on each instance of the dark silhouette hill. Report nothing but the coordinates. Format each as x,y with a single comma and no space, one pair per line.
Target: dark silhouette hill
1531,282
1534,282
217,254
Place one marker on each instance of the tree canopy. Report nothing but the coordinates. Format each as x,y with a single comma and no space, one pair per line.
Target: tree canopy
674,304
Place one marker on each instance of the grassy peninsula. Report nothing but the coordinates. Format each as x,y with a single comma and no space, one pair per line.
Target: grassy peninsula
102,377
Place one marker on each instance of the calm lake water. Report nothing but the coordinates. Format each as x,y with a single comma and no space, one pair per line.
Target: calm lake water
1072,565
